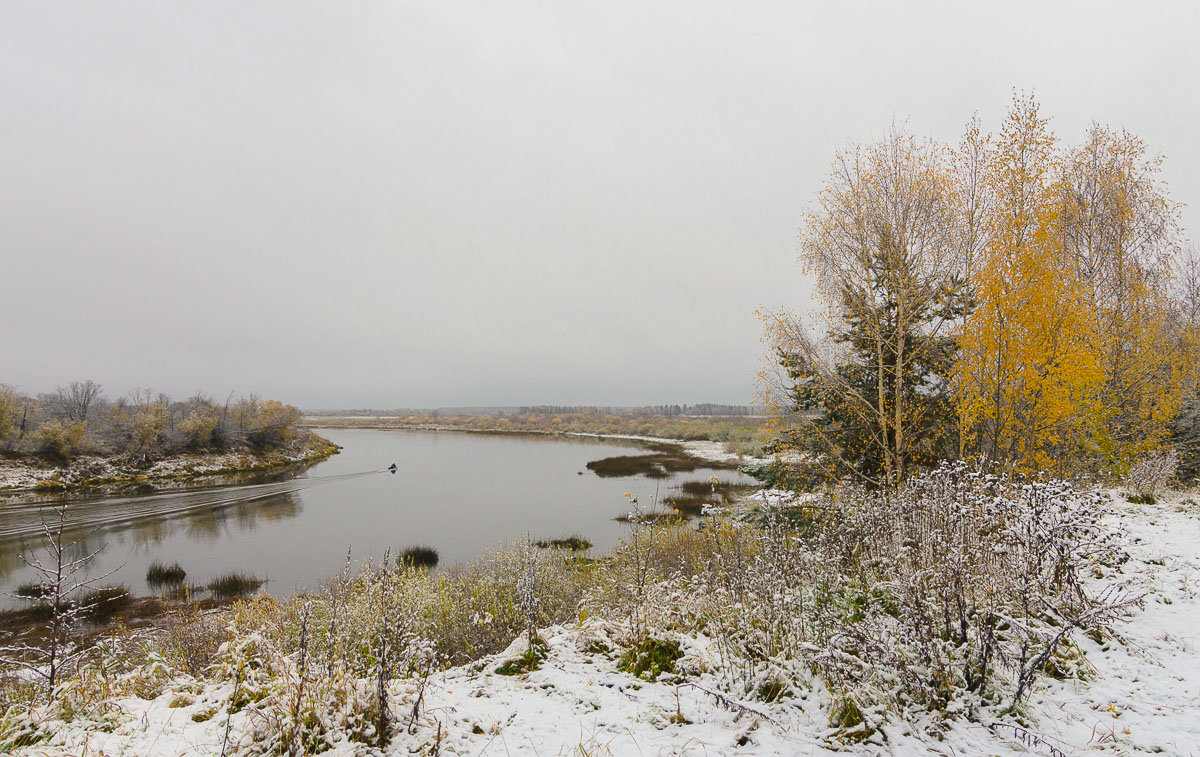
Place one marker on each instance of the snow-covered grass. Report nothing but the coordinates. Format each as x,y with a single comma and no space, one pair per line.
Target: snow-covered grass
1133,689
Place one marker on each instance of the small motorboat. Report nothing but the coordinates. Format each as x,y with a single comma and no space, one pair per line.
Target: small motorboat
392,468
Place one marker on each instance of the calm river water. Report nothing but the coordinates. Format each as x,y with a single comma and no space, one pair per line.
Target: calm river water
456,492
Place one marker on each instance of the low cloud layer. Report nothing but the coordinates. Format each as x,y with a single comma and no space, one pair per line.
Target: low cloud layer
423,204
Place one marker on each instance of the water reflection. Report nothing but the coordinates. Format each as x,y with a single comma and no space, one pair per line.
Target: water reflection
456,492
95,526
211,524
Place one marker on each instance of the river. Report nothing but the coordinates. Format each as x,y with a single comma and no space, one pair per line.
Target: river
456,492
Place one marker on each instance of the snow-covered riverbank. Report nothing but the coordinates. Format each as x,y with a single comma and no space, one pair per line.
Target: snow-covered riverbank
1142,694
90,470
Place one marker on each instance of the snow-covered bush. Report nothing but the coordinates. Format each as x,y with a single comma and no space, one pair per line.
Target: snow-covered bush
976,578
191,638
309,672
1150,474
528,601
957,588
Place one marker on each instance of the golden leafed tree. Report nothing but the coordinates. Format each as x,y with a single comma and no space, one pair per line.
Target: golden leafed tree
1122,237
1030,365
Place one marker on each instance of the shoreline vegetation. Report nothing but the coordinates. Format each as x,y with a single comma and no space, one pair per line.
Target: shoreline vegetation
75,437
24,475
734,430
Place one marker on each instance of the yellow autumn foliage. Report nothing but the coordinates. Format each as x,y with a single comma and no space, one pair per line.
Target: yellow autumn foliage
62,439
200,425
1028,365
1070,351
9,410
1121,233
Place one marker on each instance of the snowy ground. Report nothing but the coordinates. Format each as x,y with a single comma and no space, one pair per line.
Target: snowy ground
1143,695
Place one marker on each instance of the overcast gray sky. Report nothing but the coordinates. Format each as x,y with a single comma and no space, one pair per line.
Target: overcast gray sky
413,204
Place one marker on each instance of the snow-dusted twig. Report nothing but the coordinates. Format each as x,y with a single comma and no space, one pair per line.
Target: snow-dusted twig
724,701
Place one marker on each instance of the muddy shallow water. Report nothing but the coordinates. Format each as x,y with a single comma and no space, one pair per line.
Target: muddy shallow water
456,492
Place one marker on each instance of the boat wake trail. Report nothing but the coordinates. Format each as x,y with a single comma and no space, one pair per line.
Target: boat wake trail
20,521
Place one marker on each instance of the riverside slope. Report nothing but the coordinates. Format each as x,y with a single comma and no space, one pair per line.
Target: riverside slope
1143,695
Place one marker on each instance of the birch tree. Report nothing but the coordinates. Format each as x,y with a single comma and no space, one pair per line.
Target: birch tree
883,244
1027,360
1122,237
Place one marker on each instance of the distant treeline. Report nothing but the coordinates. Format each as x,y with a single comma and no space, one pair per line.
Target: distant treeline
78,418
700,409
741,434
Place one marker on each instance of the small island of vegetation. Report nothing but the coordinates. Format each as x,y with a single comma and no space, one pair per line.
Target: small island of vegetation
75,437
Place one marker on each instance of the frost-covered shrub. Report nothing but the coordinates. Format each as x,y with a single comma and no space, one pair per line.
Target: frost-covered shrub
958,585
978,578
528,601
291,707
313,671
190,639
1150,474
